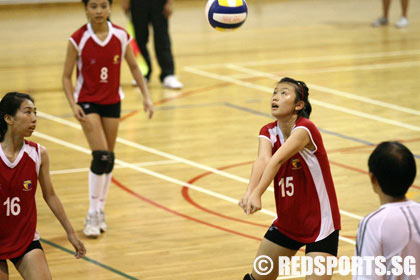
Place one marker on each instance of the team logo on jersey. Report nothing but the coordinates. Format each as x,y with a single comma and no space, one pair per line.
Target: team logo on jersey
116,59
27,185
296,164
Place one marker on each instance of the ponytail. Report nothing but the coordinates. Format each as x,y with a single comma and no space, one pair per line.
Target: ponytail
3,125
9,105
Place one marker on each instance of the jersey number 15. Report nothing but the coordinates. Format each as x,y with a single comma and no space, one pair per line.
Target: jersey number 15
287,188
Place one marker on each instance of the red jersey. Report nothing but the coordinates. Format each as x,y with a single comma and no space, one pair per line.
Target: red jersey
99,64
18,182
306,203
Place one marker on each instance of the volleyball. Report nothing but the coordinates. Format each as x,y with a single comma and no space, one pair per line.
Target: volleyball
226,14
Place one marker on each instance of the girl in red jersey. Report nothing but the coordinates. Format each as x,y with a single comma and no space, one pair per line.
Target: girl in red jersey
22,164
292,153
98,48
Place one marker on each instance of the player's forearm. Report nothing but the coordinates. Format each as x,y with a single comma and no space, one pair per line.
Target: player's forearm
68,90
125,5
256,173
138,76
267,177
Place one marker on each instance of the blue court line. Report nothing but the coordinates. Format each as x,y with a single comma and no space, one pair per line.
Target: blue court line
187,106
351,138
89,260
255,112
248,110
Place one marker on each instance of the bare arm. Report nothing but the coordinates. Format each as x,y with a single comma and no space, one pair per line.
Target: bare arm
264,155
168,8
297,141
125,6
55,205
70,62
138,76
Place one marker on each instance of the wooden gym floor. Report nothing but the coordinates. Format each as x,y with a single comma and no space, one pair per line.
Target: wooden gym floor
171,209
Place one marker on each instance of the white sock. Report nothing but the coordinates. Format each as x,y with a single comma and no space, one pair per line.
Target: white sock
96,183
104,192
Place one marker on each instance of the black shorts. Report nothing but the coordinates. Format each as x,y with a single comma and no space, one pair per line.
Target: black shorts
103,110
34,245
327,245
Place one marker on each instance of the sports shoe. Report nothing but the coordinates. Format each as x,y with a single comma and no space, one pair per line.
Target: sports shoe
172,82
102,224
92,225
380,22
402,22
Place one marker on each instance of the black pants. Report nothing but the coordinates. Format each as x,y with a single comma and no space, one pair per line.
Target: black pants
144,12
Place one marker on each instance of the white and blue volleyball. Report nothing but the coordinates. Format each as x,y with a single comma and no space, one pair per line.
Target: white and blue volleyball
226,14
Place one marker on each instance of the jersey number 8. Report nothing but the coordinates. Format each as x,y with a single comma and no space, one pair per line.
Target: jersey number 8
104,74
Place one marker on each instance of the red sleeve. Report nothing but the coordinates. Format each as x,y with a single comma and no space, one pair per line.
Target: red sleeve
264,131
77,36
128,37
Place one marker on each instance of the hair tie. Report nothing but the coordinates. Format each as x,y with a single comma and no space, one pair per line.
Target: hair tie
303,91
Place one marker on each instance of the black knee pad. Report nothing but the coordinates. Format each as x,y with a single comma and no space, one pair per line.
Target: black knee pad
248,277
110,165
100,162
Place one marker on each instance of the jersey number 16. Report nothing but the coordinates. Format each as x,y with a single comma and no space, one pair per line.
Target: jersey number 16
12,206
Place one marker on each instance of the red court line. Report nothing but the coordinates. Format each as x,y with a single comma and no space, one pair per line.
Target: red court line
349,236
192,202
409,140
187,197
359,170
348,149
187,93
126,116
120,185
190,92
348,167
154,203
184,94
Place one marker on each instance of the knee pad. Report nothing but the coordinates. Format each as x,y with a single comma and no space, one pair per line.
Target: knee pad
100,162
110,166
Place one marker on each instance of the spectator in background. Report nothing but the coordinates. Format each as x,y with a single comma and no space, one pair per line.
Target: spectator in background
393,230
401,23
156,12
